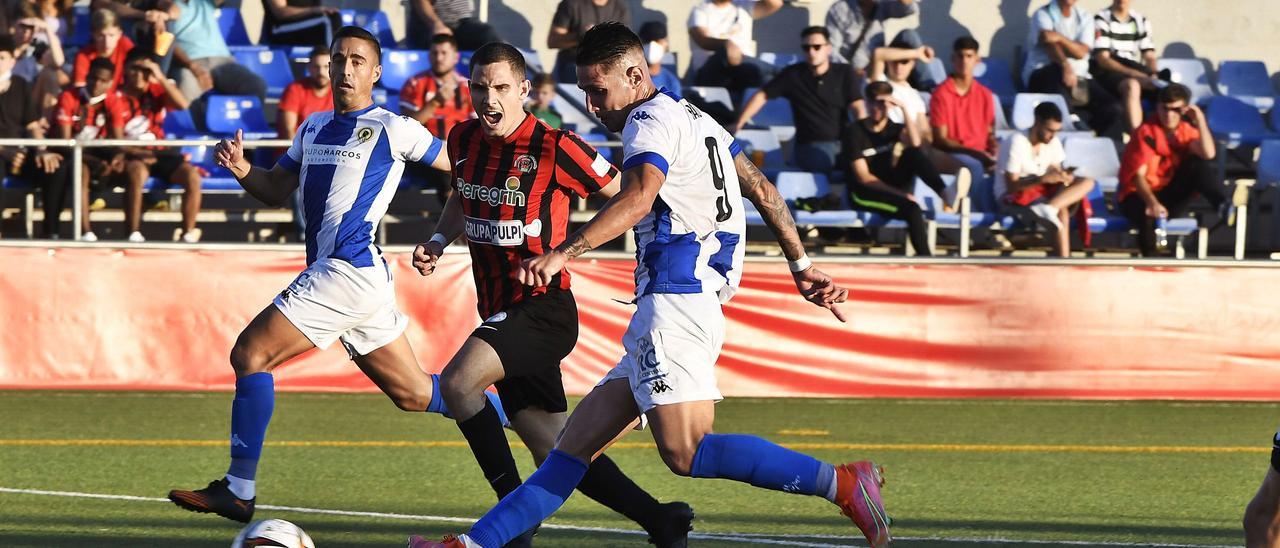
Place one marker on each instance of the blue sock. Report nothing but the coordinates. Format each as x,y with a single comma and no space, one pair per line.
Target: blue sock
761,463
437,404
526,507
250,413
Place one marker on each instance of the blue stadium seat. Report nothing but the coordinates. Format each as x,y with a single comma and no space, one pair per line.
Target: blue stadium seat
374,21
271,65
594,139
795,185
464,63
232,25
776,116
219,179
1247,81
399,65
82,35
178,124
753,215
764,141
779,60
998,77
1274,117
1024,106
227,113
712,94
1096,158
1269,162
1236,123
935,72
391,103
1191,73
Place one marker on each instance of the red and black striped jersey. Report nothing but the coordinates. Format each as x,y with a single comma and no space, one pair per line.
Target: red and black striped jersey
515,195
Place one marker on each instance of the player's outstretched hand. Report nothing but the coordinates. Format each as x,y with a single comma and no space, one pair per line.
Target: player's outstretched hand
538,271
229,153
425,257
818,288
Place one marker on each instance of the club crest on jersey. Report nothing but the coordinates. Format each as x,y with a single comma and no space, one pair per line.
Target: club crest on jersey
526,164
364,134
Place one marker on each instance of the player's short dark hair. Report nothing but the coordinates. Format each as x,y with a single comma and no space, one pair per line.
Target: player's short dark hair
102,63
499,52
1046,111
320,50
137,54
877,89
543,79
964,43
816,29
606,44
443,38
1175,92
359,34
7,43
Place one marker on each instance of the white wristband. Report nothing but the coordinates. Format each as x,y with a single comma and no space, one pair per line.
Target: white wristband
800,265
440,239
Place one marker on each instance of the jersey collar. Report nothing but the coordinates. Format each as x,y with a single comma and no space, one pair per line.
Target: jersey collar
357,113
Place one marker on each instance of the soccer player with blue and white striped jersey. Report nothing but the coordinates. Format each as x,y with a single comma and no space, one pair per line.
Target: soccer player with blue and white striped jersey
347,164
682,187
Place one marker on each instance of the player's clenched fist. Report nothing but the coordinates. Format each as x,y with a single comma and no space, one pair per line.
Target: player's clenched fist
229,153
425,257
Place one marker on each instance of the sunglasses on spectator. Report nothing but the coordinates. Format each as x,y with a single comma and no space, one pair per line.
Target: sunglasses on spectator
814,47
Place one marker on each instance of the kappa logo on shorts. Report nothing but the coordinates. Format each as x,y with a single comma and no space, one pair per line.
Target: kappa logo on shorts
659,386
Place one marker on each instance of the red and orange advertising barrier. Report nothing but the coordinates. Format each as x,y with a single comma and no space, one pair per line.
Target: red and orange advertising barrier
166,319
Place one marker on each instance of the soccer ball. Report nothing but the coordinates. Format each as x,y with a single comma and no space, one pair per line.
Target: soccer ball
273,532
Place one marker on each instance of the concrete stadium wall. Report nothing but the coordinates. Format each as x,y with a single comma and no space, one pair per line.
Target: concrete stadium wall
1211,29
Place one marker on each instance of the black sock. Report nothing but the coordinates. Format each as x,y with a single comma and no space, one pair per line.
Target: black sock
607,485
489,445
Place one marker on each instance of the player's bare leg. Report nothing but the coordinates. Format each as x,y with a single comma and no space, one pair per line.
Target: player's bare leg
1262,515
269,340
678,429
394,369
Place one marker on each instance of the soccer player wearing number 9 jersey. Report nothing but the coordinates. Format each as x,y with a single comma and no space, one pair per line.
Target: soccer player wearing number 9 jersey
682,188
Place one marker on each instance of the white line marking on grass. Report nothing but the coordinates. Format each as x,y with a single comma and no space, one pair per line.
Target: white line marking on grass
750,538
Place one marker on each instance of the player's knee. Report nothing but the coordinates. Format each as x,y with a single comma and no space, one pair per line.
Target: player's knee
409,401
246,360
678,459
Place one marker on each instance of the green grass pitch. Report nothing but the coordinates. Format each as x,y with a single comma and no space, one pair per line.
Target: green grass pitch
959,472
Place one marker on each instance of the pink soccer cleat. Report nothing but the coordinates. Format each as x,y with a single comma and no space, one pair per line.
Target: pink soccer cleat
449,541
858,495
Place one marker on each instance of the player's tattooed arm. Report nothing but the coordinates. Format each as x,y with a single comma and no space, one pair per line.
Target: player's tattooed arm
575,246
773,208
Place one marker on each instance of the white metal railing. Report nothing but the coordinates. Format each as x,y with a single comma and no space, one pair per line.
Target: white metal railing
77,158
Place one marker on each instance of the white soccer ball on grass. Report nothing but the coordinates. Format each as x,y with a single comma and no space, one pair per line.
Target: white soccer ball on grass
273,532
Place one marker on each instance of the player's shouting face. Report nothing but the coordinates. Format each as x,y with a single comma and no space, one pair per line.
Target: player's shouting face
498,95
613,89
354,67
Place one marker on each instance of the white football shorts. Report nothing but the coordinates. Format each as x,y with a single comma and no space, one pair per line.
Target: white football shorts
332,299
671,347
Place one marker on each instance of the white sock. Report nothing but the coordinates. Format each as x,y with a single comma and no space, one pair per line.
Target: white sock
831,488
242,488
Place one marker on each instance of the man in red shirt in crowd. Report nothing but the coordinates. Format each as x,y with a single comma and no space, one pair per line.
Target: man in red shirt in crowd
109,42
144,97
439,98
306,95
962,113
1166,163
84,113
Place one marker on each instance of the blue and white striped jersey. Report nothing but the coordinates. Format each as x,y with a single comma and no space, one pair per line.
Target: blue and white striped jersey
349,166
692,240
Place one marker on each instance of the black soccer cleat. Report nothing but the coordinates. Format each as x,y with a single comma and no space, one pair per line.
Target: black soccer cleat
217,498
672,526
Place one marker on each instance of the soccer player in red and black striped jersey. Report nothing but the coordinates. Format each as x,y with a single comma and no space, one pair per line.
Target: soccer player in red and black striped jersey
514,177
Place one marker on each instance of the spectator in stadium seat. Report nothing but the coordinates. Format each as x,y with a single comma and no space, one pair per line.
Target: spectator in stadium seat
1166,162
857,28
571,20
821,94
306,95
962,113
880,180
894,64
1059,40
109,42
84,113
457,17
1031,174
653,35
39,56
20,117
541,96
147,21
299,23
202,61
145,96
720,32
438,98
1124,58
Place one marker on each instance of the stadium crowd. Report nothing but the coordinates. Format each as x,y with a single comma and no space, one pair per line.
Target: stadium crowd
907,140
